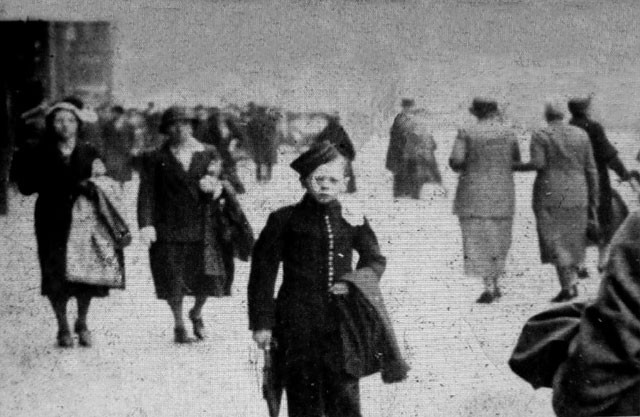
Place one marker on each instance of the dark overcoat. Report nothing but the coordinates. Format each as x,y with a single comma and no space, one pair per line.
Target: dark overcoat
117,143
589,354
170,200
604,154
263,135
57,180
313,242
397,138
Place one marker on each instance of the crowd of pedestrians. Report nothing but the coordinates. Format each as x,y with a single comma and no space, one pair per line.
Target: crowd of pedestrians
327,326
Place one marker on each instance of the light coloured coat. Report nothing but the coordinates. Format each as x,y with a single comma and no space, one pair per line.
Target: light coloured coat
485,154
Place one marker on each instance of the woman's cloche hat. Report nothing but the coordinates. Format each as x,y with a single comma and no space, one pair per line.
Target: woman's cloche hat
175,114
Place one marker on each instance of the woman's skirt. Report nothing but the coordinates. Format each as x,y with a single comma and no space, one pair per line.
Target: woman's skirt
486,243
562,235
178,269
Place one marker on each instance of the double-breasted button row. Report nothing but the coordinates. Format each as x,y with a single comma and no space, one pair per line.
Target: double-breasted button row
331,250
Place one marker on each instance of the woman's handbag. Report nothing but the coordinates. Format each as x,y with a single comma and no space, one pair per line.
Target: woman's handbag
96,239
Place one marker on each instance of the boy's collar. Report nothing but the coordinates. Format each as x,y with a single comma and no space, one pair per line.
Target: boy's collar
309,201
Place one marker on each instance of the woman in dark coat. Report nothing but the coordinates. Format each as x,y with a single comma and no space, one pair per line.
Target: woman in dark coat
484,155
611,208
175,198
55,169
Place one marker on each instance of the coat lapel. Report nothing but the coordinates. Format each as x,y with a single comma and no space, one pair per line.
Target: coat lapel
174,168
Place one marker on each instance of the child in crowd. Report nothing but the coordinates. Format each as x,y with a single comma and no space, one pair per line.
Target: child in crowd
328,323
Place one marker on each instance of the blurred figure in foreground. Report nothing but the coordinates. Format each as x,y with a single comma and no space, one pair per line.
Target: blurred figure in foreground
484,155
589,353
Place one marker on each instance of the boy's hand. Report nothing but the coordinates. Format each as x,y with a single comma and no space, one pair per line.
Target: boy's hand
210,184
339,288
262,338
98,168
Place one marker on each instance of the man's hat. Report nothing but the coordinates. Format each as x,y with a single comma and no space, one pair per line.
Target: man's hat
318,154
175,114
579,105
482,107
407,102
552,110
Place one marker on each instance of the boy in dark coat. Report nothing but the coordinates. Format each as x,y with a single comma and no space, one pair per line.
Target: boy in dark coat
314,242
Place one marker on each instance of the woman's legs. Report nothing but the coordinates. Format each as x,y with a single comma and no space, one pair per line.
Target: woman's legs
180,333
59,305
491,289
84,335
567,275
196,317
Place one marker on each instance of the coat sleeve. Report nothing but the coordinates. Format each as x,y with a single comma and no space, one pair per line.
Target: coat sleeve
591,173
538,151
600,376
265,261
146,191
27,167
458,157
365,243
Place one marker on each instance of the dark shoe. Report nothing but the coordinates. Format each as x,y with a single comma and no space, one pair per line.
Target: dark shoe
84,335
497,293
198,326
64,339
583,273
485,298
181,336
565,295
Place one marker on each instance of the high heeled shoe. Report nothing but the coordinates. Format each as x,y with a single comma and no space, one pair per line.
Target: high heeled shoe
486,298
565,295
85,338
198,326
180,336
64,339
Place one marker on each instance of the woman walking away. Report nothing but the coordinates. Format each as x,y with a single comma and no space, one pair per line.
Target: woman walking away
175,197
484,156
565,189
55,169
611,208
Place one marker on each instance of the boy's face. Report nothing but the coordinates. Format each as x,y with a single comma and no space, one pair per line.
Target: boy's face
327,182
